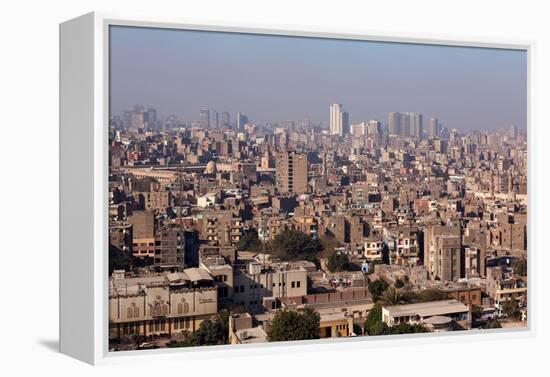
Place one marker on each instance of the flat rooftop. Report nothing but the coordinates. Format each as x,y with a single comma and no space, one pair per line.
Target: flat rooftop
252,335
427,309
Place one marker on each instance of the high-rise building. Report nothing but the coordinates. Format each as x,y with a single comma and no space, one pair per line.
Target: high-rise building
415,120
215,121
224,121
358,129
151,116
306,123
137,117
405,124
433,128
204,118
127,118
335,110
514,132
291,172
374,127
339,120
242,119
394,123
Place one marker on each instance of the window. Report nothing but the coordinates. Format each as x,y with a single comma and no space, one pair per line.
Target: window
293,285
180,308
129,313
298,284
136,312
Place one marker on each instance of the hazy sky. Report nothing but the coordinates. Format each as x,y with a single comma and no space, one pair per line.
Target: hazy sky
274,78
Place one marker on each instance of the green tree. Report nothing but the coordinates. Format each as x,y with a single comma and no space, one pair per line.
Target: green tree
477,312
511,309
391,296
337,262
375,326
376,288
212,331
250,241
491,324
432,294
406,328
120,260
294,325
374,319
294,245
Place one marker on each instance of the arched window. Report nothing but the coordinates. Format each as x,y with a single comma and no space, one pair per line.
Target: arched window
164,309
156,311
135,312
180,308
129,312
186,307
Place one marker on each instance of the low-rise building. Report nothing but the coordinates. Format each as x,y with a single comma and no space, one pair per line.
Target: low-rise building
420,312
170,304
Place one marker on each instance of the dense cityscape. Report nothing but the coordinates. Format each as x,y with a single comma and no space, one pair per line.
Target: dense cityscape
224,231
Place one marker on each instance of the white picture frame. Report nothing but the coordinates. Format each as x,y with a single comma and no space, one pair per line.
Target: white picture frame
84,48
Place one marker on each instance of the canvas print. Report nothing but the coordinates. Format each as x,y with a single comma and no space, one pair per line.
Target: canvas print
268,188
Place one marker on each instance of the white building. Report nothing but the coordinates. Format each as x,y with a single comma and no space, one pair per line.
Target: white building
339,120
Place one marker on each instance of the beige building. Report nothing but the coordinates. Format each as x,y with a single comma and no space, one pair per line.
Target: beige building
170,305
143,224
335,325
256,282
419,313
242,330
291,173
442,246
503,285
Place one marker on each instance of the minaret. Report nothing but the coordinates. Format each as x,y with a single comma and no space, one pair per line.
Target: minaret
492,186
511,189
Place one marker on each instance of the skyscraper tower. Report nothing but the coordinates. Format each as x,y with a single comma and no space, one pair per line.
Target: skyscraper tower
394,123
204,118
405,124
339,120
242,119
514,132
215,121
224,121
433,128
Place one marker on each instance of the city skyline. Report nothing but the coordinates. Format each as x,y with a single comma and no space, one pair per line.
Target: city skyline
436,81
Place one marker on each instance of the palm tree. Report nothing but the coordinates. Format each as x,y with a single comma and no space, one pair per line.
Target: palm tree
391,296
